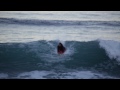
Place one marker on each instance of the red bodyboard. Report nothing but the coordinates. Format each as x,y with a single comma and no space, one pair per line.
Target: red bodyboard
61,52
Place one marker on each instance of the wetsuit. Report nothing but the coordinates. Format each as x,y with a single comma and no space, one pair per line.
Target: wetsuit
61,49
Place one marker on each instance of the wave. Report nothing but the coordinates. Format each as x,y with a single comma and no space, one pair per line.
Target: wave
53,75
100,55
56,22
89,48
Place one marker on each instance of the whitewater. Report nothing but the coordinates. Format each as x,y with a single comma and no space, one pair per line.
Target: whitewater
29,39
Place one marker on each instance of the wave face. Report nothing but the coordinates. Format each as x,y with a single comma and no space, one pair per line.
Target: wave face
39,59
56,22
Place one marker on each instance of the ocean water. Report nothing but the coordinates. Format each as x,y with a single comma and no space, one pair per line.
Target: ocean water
29,39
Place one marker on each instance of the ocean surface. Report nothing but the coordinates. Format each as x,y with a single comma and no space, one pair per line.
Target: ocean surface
29,39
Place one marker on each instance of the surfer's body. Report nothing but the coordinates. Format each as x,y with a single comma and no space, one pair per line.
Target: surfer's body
60,48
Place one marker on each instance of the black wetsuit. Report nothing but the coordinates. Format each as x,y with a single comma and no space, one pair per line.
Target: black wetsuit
60,48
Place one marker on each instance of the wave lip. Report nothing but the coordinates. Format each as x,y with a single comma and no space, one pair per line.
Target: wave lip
112,48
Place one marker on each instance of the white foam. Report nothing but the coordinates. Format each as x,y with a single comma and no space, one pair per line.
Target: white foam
33,75
86,75
3,76
67,75
112,48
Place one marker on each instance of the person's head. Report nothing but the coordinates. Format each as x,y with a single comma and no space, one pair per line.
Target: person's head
60,44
